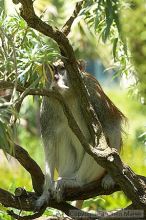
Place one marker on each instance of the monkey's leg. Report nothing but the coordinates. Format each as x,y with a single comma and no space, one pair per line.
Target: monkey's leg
48,187
90,171
61,184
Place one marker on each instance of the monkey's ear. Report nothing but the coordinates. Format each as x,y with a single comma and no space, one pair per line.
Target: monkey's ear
82,65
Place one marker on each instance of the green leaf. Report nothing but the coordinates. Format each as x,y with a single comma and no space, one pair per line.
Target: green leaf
115,47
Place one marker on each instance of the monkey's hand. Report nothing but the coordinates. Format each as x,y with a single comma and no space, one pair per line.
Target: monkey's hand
45,197
107,182
61,184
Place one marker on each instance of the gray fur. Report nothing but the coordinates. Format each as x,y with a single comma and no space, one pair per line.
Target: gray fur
63,150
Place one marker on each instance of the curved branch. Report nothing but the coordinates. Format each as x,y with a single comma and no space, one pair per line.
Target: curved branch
31,166
26,201
28,204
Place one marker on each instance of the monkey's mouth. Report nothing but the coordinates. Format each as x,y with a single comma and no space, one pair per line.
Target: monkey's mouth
56,77
61,84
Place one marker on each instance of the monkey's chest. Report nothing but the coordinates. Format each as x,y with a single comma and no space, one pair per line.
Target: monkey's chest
55,127
54,121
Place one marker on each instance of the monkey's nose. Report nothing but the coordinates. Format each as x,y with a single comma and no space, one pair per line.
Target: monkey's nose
56,77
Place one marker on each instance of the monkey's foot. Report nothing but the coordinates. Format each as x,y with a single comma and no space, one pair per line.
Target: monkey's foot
107,182
43,199
60,186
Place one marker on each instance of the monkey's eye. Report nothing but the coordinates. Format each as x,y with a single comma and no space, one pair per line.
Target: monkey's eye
61,69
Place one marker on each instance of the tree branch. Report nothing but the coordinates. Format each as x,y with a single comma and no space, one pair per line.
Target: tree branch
67,27
31,166
26,201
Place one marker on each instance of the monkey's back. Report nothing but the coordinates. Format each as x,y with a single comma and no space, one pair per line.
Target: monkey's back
110,117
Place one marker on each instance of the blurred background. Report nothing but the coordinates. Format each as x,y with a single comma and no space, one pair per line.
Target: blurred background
117,84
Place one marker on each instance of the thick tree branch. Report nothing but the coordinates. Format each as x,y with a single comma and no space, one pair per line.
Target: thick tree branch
26,201
31,166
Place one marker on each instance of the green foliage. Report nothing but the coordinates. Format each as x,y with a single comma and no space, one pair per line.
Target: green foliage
4,215
24,51
103,15
23,56
135,31
6,132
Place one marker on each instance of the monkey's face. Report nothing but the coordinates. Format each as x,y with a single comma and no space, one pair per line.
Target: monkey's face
59,77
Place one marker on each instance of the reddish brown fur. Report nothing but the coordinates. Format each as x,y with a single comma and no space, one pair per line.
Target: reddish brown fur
113,109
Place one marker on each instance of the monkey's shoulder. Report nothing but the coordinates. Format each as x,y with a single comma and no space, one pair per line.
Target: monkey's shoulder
51,113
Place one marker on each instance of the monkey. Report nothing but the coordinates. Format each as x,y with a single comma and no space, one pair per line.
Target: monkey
63,150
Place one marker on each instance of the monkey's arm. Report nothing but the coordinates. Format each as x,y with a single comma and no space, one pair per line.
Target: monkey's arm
48,187
48,137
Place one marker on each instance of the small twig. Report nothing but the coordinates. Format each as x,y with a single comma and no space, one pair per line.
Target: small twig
67,26
16,70
4,52
26,30
17,103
